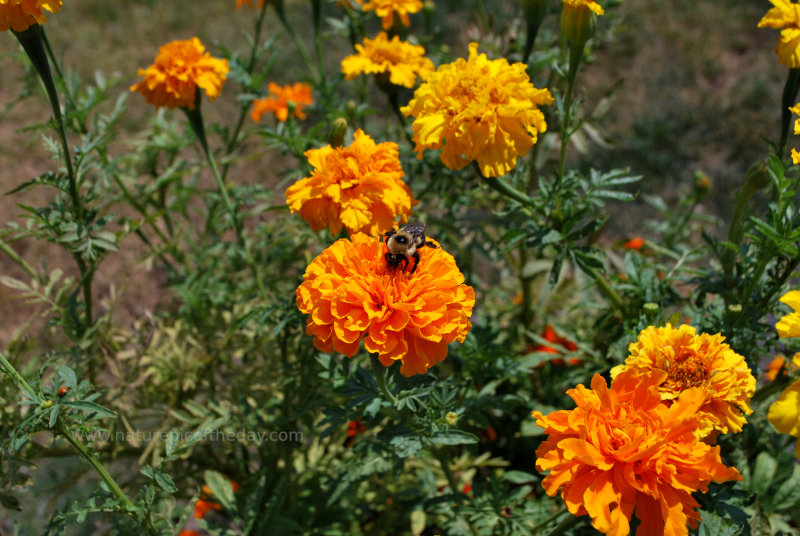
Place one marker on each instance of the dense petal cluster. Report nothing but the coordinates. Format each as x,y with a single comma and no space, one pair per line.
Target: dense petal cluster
622,451
351,296
785,16
789,325
478,110
178,70
19,15
387,9
400,60
591,4
282,101
703,361
359,187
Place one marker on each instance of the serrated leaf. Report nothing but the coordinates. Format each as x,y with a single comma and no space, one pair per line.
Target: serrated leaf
788,493
82,405
165,482
221,489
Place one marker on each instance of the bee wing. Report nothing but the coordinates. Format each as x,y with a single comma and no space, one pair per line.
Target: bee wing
415,229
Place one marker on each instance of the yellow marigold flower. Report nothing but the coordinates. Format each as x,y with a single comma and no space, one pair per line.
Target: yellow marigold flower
282,101
692,360
178,70
19,15
591,4
622,451
784,413
387,9
248,3
478,109
352,296
785,16
400,60
359,187
789,325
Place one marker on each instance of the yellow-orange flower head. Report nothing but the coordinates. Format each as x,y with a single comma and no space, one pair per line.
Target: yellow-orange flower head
785,16
248,3
623,451
283,101
387,9
478,109
178,70
359,187
19,15
784,413
789,325
703,361
352,296
591,4
401,61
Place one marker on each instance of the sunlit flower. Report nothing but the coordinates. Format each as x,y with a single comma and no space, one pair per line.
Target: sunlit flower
622,451
478,109
784,413
178,70
283,101
789,325
400,60
205,503
636,243
19,15
387,9
703,361
351,296
785,16
248,3
359,187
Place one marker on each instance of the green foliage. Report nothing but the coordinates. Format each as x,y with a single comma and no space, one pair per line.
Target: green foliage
213,391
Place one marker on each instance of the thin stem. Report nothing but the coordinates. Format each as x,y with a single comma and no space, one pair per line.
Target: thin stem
196,122
537,529
496,183
575,55
380,377
606,289
8,250
482,15
17,377
565,525
301,47
441,456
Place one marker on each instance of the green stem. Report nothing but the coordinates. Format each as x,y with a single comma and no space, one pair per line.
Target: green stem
606,289
565,525
380,377
196,122
538,528
482,15
8,250
301,47
496,183
16,377
448,474
251,62
575,55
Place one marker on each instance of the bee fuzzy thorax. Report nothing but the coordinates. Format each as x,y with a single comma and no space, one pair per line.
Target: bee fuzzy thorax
403,246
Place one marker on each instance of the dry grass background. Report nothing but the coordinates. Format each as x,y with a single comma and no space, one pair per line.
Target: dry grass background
687,85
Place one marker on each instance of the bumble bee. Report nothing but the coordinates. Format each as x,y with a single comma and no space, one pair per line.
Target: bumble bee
404,243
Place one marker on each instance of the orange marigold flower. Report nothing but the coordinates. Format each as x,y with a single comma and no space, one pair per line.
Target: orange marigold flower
478,110
351,295
186,532
178,70
359,187
635,243
551,336
785,16
248,3
282,101
401,61
19,15
692,360
622,451
387,9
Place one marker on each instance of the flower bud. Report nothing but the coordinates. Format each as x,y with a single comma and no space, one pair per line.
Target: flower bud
702,184
578,23
338,130
534,11
650,309
451,418
757,177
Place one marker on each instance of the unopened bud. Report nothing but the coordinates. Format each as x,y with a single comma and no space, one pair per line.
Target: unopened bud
47,404
735,308
650,309
451,418
757,177
578,23
702,184
338,130
534,11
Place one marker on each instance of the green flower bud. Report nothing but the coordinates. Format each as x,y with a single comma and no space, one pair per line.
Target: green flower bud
451,418
578,24
338,130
